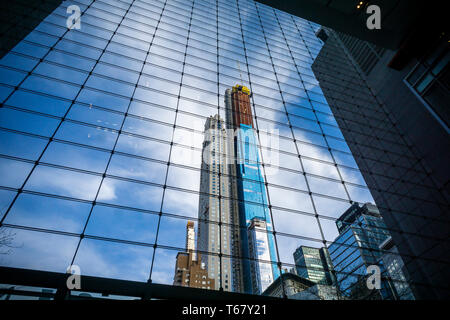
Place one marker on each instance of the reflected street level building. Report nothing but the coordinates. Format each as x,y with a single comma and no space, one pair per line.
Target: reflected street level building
299,288
190,271
291,283
319,292
314,264
361,232
251,191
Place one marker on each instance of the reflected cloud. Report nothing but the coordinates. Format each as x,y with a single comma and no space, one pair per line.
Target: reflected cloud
65,183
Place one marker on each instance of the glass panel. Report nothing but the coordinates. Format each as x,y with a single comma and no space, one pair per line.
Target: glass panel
27,122
129,194
114,260
92,136
122,224
63,182
143,147
18,145
296,224
39,250
13,172
6,197
290,199
75,157
163,266
181,203
137,169
48,213
39,103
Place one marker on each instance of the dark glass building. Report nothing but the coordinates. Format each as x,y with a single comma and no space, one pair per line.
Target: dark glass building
390,107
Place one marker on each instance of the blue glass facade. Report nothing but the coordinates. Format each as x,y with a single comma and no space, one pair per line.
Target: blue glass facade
252,195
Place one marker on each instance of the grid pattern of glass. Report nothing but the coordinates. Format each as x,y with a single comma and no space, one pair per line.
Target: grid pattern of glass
103,130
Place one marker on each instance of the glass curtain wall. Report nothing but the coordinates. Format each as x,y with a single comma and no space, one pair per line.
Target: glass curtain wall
103,131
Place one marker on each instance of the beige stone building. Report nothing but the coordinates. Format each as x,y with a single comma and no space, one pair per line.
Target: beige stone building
189,269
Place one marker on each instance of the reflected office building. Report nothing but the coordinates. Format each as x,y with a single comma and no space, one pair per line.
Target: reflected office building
362,242
314,264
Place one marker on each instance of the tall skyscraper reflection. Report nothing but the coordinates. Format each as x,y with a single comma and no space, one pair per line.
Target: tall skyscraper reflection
257,241
233,206
214,209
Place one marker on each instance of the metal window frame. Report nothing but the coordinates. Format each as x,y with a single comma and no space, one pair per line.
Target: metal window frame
106,286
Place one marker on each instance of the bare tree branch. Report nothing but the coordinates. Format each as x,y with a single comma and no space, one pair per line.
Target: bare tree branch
6,241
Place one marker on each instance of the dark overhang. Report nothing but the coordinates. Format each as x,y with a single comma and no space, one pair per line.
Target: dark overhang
105,286
399,18
18,18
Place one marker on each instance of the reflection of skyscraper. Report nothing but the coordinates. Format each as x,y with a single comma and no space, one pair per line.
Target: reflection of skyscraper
190,271
361,232
250,188
215,185
314,264
240,180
